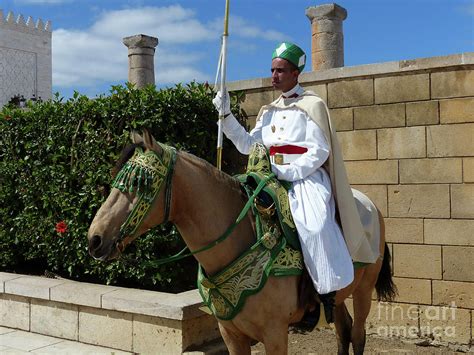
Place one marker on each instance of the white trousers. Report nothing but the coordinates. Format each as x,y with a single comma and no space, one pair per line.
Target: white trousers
325,252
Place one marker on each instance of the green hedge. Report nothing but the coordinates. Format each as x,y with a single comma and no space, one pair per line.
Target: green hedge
55,163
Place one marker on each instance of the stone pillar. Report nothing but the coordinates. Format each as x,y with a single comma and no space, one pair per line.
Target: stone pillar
327,38
141,50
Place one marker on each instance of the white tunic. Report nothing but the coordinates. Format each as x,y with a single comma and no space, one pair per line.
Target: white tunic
311,202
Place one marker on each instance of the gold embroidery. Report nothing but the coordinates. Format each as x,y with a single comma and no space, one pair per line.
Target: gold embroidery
226,292
228,296
144,173
289,259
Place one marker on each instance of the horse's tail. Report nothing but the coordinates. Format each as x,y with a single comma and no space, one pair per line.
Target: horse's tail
386,289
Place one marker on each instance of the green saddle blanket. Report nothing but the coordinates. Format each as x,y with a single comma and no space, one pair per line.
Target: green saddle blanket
225,293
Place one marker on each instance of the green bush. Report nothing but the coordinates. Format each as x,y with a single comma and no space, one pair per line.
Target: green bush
55,163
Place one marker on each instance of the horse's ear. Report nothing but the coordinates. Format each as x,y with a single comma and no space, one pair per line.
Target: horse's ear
135,137
150,142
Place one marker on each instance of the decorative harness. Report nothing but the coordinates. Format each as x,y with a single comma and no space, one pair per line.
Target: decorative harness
145,172
225,293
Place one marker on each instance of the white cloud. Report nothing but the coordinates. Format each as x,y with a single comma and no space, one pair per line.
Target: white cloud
97,55
245,29
83,59
240,27
173,24
179,74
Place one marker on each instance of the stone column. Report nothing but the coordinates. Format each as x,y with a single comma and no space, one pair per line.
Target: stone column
327,38
141,50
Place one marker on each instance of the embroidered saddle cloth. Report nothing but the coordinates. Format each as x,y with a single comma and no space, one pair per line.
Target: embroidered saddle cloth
275,253
225,293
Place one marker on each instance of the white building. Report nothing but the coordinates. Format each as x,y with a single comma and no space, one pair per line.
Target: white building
25,58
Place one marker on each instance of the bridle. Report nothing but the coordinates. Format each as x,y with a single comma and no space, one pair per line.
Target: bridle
145,173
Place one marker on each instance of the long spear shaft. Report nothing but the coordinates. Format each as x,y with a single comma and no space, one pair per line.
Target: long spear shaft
222,84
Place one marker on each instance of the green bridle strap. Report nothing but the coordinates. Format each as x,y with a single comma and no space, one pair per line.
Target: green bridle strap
224,236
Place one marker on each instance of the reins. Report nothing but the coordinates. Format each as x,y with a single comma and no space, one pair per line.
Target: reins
223,237
146,172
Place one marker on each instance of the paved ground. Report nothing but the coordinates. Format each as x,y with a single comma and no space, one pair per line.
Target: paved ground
18,342
14,341
323,342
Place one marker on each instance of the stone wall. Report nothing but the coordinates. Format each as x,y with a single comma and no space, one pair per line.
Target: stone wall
407,134
126,319
25,58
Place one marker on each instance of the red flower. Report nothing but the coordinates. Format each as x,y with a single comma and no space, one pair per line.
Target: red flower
61,227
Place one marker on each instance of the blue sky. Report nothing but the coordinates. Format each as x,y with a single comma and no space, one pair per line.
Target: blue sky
88,54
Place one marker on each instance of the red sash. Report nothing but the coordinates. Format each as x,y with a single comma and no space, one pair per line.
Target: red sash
287,149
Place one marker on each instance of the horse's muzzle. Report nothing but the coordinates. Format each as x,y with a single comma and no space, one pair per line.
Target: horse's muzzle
98,250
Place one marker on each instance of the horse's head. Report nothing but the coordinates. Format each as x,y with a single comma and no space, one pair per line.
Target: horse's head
142,184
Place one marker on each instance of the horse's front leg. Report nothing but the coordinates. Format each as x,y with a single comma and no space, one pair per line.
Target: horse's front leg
237,343
276,341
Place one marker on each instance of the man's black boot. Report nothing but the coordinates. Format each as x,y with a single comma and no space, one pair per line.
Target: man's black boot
310,319
329,303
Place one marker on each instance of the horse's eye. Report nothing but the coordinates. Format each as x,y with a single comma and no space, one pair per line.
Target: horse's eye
104,190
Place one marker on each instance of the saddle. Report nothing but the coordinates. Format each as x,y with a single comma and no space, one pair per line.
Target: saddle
272,202
276,252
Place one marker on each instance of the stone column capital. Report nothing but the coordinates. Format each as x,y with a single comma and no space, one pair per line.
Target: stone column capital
140,41
326,11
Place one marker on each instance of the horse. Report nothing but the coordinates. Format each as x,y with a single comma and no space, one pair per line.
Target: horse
202,202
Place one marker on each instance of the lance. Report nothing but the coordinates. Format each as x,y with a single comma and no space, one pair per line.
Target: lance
222,67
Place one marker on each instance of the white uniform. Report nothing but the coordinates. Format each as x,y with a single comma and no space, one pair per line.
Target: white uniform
312,204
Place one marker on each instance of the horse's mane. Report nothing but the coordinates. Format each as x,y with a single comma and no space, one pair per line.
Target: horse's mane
219,176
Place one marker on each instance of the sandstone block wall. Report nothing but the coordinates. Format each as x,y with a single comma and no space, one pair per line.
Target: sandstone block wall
25,58
407,134
126,319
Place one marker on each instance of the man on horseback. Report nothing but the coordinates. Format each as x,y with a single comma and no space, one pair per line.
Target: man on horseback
303,149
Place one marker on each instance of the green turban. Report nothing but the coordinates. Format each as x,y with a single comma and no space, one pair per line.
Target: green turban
291,53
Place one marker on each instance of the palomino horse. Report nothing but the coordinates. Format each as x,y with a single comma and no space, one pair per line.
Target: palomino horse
202,202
